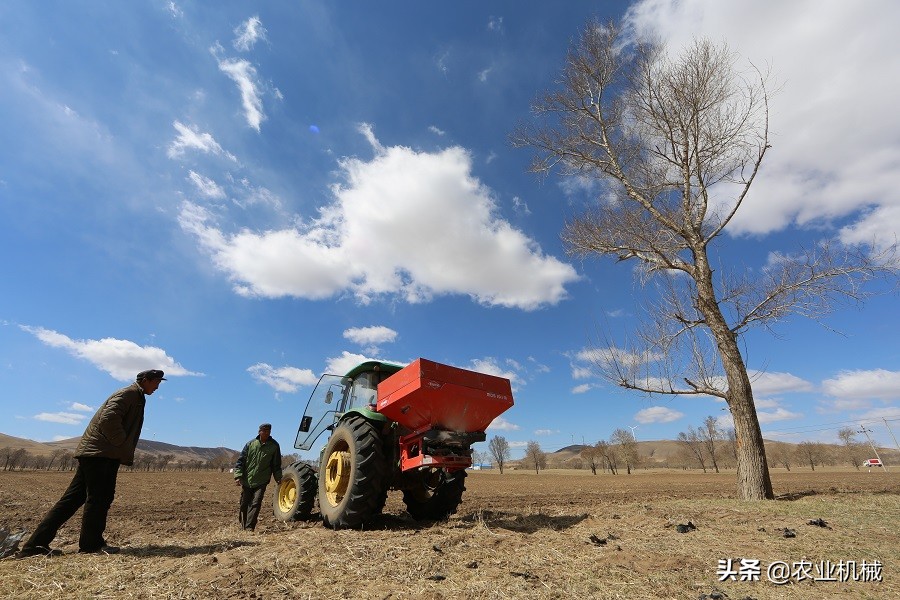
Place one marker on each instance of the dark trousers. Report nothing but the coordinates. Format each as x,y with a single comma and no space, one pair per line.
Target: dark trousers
93,486
251,501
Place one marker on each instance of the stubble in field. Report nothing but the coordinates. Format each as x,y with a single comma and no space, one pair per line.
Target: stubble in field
564,534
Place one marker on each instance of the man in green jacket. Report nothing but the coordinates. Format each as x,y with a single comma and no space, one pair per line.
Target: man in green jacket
259,460
108,441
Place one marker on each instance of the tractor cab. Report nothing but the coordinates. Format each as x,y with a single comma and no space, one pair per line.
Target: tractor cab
337,395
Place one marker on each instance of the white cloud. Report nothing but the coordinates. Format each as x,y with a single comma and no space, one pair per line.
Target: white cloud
248,33
81,407
877,414
174,10
582,372
244,75
441,62
484,73
190,138
835,136
602,357
779,414
370,335
490,366
520,206
433,129
546,431
406,223
579,185
765,402
657,414
767,384
254,195
206,187
282,379
875,384
342,364
122,359
61,417
583,388
537,367
495,24
501,424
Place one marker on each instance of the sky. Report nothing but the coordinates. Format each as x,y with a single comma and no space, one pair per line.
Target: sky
252,194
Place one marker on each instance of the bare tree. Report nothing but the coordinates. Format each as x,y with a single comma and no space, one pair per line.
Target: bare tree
731,441
590,454
608,454
163,460
810,453
692,443
628,448
18,458
853,451
535,457
676,143
5,456
499,449
709,435
779,454
54,457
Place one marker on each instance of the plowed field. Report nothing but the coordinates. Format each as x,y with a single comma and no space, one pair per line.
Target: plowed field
561,534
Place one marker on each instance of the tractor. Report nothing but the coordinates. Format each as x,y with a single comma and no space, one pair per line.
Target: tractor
390,428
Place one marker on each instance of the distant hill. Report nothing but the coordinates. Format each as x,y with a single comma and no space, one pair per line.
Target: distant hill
655,451
179,453
672,454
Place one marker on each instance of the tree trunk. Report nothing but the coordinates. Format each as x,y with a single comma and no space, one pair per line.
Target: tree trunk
754,482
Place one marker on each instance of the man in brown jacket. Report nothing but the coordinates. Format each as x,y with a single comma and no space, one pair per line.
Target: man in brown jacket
108,441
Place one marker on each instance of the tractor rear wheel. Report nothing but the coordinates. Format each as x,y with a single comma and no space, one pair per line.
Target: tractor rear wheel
296,494
353,475
436,495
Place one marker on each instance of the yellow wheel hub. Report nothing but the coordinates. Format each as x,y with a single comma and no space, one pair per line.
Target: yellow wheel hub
337,475
287,494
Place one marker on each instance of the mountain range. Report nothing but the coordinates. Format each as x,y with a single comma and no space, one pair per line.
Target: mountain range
179,453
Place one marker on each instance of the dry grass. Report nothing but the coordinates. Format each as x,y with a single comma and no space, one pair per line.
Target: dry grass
553,535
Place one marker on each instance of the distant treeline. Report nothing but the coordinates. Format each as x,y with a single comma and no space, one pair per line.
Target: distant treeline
20,459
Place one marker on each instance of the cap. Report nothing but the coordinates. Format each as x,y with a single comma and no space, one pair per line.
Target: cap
151,374
266,426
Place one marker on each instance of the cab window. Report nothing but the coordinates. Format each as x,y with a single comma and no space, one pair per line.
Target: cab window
364,391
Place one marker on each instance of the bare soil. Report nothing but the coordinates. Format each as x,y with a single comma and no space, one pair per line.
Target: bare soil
559,534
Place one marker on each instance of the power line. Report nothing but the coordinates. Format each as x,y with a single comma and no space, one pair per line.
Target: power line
825,426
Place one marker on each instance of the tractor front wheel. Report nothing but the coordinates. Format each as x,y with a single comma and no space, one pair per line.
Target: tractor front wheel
435,494
296,494
353,475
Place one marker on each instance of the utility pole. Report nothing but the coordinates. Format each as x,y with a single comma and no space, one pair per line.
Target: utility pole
866,432
891,432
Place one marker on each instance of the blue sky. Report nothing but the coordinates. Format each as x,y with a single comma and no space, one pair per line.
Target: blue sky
252,194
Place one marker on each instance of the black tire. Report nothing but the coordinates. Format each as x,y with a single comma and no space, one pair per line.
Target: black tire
296,494
436,495
353,475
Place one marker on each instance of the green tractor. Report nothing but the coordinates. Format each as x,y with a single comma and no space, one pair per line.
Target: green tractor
391,428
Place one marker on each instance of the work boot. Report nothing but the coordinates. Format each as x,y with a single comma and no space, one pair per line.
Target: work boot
102,550
37,551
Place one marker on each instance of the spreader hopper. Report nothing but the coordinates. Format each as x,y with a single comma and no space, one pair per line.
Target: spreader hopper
445,408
